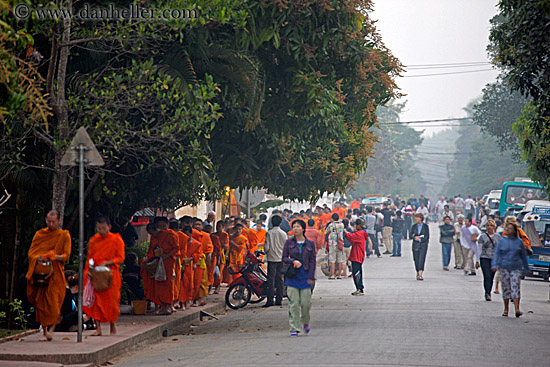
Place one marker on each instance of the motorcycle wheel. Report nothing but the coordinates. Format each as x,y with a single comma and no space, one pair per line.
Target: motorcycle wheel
237,296
256,299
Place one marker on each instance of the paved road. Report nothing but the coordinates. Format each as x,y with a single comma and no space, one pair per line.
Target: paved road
442,321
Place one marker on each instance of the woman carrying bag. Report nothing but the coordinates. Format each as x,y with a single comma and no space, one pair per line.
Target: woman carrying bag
299,266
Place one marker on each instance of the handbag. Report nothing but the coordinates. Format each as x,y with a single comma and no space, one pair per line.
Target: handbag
289,270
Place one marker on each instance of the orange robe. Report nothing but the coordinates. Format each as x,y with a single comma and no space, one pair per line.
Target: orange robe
163,290
106,307
182,241
355,205
216,255
47,301
207,248
225,276
237,252
252,240
194,250
260,236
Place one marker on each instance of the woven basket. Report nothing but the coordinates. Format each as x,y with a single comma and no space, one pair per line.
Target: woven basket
152,265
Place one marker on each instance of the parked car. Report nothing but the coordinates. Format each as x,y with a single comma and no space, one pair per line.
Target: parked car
535,222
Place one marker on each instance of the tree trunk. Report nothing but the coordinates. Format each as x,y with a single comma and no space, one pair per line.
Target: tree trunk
15,249
61,113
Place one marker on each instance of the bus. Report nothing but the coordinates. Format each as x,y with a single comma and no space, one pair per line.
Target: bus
515,194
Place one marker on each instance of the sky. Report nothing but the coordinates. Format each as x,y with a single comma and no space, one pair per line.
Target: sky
428,32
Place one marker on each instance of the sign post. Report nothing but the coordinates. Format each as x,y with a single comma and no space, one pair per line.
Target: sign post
81,152
249,198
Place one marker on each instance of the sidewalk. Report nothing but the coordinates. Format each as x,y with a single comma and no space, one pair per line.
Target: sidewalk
133,331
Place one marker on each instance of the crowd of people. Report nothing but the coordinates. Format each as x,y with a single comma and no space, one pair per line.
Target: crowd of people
190,258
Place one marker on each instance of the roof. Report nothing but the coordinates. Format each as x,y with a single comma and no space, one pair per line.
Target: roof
532,203
147,212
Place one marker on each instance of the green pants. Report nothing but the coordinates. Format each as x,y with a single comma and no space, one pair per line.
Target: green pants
299,302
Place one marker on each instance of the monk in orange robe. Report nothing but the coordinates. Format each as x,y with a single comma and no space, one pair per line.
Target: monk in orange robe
168,242
226,277
174,227
201,271
251,236
54,245
356,204
193,253
238,243
223,237
105,249
215,260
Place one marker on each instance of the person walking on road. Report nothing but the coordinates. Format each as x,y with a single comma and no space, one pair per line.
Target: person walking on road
420,234
388,213
487,243
371,231
459,256
335,246
397,225
424,211
300,253
274,243
358,240
447,232
510,257
468,239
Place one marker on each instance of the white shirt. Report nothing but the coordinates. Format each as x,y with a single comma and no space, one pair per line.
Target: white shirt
473,229
468,204
440,206
425,212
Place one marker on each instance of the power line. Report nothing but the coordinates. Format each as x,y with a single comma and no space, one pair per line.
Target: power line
444,67
452,63
451,73
423,121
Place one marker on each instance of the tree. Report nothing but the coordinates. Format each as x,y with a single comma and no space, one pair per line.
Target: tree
326,70
519,45
497,111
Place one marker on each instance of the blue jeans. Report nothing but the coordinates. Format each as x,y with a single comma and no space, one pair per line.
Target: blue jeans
446,252
396,244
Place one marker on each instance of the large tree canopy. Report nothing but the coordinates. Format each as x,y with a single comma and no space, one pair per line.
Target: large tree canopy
519,44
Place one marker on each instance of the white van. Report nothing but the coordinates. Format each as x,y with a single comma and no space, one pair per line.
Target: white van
493,200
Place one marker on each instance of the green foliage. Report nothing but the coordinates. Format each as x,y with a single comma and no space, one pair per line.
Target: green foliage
519,45
497,111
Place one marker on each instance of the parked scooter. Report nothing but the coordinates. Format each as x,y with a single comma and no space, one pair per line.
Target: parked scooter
251,282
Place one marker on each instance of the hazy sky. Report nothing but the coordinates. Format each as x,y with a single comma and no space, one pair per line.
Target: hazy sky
426,32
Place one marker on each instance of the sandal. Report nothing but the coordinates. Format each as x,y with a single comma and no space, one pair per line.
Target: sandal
338,277
518,314
505,314
331,278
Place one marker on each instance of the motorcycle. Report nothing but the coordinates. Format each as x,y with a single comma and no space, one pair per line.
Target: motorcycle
251,282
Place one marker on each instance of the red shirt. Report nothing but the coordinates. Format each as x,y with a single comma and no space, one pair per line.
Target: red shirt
315,236
358,245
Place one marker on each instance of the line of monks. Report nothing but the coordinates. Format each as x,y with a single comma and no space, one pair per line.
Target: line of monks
50,248
196,262
195,259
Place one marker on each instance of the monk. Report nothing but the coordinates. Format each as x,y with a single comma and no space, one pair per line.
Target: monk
53,244
193,253
169,244
223,237
238,243
261,233
356,204
227,228
215,260
201,284
174,226
251,236
105,249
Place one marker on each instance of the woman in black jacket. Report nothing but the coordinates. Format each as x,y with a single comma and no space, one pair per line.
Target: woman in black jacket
420,234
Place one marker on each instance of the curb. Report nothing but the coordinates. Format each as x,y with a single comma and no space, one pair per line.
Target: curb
98,357
17,336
